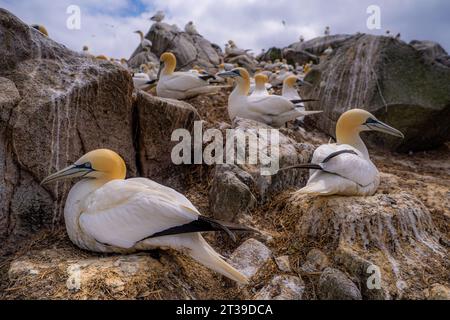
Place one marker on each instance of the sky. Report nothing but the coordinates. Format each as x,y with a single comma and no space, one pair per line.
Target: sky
106,26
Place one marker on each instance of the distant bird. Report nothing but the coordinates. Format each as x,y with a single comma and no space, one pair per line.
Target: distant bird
269,109
344,168
277,79
397,37
328,51
158,17
388,33
235,51
327,31
104,212
181,85
302,39
190,28
260,85
145,43
283,23
86,52
41,29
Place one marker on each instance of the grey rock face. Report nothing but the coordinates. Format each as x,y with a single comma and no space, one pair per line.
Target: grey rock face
335,285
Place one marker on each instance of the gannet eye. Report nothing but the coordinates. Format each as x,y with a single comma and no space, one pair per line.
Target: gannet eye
371,121
236,71
86,165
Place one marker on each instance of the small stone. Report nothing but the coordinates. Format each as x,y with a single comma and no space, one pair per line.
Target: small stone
316,261
283,263
335,285
249,257
282,288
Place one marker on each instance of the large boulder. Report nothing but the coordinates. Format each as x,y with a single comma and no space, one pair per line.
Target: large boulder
390,79
189,49
55,105
385,242
431,50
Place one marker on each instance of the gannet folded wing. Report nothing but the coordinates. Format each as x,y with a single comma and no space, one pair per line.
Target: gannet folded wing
274,105
122,213
349,165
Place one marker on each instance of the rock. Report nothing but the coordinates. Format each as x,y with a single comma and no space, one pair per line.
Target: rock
283,263
335,285
230,195
282,288
390,79
430,49
143,57
290,153
316,261
363,270
272,54
438,292
250,256
65,272
156,119
55,106
318,45
394,232
189,49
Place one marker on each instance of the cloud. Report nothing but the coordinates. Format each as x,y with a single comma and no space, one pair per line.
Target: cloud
107,26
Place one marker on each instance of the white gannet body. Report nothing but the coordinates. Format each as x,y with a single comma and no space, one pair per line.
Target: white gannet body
278,79
145,43
328,51
260,85
190,28
86,52
181,85
106,213
269,109
345,168
158,17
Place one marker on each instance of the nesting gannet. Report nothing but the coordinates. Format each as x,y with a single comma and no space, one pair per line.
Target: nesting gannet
190,28
302,39
269,109
41,29
142,79
278,79
260,85
327,31
145,43
158,17
345,168
328,51
102,57
181,85
86,52
106,213
290,92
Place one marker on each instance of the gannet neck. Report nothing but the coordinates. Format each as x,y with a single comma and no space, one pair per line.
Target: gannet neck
170,63
347,135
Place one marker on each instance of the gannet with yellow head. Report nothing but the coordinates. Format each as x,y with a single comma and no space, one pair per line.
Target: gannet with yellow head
106,213
41,29
145,43
345,168
260,85
269,109
290,92
181,85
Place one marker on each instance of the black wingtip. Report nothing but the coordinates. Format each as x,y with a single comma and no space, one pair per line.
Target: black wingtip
303,166
303,100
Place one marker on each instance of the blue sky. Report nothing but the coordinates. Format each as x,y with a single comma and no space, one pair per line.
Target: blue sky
107,25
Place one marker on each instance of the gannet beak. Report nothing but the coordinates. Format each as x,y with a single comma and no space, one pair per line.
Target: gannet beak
228,74
161,66
72,171
377,125
300,82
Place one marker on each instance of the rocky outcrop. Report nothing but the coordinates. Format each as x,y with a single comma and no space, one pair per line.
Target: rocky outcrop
390,239
282,288
335,285
432,51
189,49
156,119
390,79
55,106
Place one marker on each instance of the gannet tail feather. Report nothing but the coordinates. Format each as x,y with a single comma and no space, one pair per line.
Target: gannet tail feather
202,252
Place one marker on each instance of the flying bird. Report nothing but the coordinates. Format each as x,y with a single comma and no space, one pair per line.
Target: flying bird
106,213
344,168
269,109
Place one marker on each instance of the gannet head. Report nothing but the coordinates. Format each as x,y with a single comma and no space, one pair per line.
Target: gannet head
261,79
293,80
41,29
102,164
85,48
242,78
168,62
355,121
102,57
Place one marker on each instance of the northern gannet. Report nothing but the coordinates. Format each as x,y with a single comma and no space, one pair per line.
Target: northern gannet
86,52
328,51
106,213
190,28
345,168
102,57
41,29
269,109
145,43
181,85
142,80
302,39
260,85
327,31
158,17
290,92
